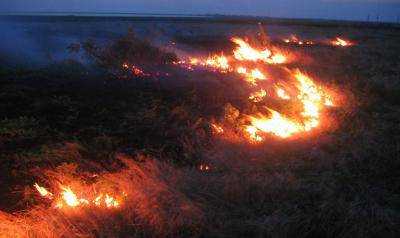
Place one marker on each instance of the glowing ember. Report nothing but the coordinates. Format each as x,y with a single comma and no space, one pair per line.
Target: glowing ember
217,129
204,167
135,70
341,42
295,40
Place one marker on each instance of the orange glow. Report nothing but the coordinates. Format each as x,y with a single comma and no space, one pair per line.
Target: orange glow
249,62
313,99
277,59
217,129
258,96
276,124
68,198
204,167
295,40
341,42
244,52
43,191
282,93
218,61
253,76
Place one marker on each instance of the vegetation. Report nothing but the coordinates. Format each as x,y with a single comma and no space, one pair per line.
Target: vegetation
340,183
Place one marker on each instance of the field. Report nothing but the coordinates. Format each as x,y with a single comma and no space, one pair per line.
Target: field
165,142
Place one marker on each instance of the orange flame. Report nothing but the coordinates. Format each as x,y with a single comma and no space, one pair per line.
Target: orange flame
282,93
244,52
276,124
258,96
68,198
341,42
43,191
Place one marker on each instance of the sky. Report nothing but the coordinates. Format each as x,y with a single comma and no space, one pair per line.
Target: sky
384,10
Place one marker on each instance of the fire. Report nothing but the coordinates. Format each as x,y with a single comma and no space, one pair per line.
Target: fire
282,93
276,124
218,61
204,167
135,70
43,191
258,96
244,52
68,198
277,59
253,76
249,62
313,99
341,42
252,131
295,40
217,129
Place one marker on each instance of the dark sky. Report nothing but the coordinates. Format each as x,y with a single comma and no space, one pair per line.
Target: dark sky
388,10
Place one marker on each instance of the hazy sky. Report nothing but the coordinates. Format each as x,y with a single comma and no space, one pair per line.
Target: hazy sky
388,10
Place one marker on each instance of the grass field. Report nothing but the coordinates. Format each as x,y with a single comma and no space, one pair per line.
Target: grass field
71,121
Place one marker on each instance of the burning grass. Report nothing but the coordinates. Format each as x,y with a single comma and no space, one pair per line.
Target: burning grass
240,147
137,197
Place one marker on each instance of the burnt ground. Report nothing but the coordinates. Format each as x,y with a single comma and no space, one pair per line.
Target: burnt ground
340,182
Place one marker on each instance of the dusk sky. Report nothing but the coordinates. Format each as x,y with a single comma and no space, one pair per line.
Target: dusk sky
387,10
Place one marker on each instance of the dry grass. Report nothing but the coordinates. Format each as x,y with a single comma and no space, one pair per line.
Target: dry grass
338,182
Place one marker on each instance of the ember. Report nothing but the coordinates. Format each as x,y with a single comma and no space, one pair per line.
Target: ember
295,41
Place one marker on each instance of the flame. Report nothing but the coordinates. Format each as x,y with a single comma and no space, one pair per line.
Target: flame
276,124
241,70
247,62
217,129
43,191
282,93
252,131
341,42
277,59
253,76
110,201
311,97
258,96
68,198
244,52
218,61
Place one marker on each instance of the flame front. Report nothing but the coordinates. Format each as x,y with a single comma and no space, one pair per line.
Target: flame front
244,52
68,198
276,124
251,64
